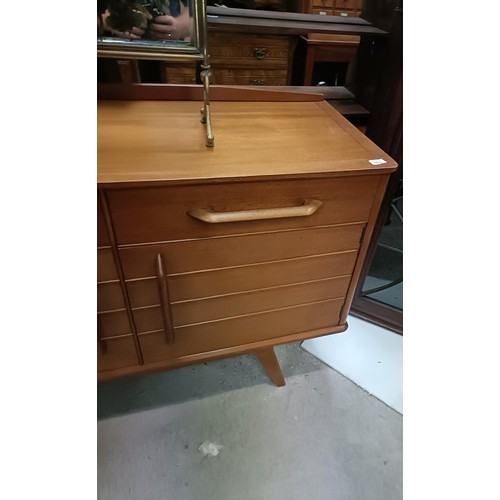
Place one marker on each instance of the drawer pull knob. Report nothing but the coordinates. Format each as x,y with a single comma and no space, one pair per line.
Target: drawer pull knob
260,52
165,303
309,207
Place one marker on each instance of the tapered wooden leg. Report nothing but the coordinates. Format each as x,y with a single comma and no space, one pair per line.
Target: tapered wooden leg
269,361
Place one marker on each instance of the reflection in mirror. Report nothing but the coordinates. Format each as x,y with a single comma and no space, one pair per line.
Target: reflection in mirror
157,30
157,20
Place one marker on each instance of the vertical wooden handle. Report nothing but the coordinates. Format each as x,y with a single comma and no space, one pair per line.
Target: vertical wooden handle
165,303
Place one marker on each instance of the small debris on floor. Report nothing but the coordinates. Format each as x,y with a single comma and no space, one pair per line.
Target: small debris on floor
210,449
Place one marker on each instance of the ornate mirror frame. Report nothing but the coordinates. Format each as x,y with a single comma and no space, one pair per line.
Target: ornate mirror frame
170,50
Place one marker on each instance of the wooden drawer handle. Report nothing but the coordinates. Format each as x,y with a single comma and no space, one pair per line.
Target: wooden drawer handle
165,303
309,207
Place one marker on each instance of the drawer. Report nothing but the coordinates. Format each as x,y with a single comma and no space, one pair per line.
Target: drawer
346,4
215,335
116,353
109,297
113,324
346,13
221,75
323,3
181,73
235,76
187,286
161,214
241,250
322,11
248,51
106,269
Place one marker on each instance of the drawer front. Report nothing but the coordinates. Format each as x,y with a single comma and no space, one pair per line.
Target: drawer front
215,335
248,51
109,297
217,253
106,270
321,4
234,76
113,324
181,74
223,75
322,11
336,7
161,214
187,286
221,307
346,13
116,353
347,4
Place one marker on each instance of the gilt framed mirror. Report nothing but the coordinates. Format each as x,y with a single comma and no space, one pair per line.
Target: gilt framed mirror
165,30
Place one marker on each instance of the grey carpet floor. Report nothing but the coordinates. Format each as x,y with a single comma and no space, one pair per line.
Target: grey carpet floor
318,438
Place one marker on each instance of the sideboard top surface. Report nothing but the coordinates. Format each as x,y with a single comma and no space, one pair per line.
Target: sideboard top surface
163,142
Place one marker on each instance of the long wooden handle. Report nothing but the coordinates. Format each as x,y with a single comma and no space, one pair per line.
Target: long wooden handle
165,303
309,207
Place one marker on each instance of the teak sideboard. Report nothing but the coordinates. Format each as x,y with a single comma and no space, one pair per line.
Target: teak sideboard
204,252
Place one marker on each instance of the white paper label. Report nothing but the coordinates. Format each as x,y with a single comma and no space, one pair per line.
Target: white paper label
377,162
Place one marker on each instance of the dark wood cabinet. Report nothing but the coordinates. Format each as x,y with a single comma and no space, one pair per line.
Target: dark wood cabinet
241,59
344,8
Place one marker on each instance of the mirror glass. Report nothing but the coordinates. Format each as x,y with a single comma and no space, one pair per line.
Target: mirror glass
154,28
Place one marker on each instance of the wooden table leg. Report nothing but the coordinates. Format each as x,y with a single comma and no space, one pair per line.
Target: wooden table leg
269,361
309,68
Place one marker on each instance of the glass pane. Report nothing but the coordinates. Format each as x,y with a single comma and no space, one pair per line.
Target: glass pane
384,281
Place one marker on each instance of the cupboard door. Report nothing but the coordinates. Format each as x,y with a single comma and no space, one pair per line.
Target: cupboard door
117,352
240,331
116,344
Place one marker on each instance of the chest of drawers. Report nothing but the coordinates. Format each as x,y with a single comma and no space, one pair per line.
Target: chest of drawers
345,8
205,253
241,59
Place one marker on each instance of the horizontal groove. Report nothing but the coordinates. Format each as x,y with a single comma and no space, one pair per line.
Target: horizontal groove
257,290
145,278
237,235
266,262
108,282
228,318
122,309
149,306
121,336
107,247
151,331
